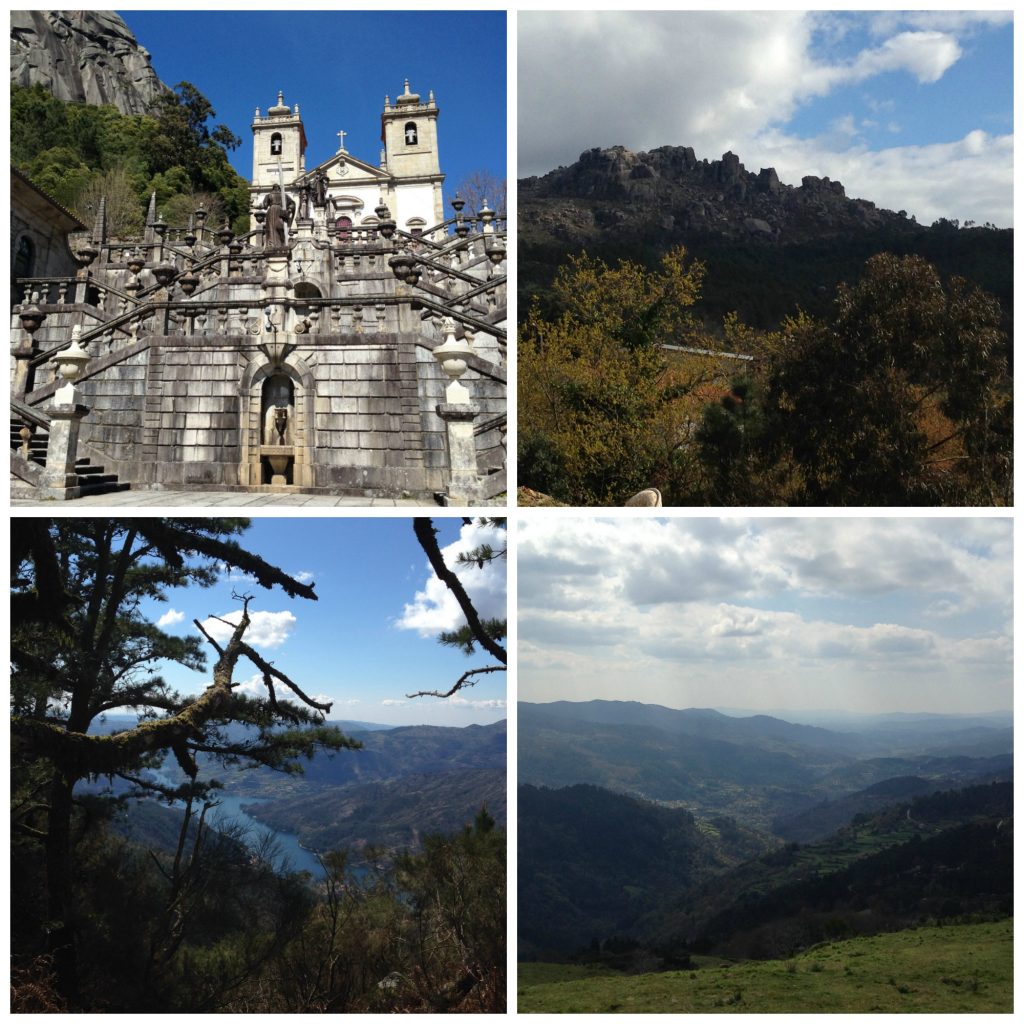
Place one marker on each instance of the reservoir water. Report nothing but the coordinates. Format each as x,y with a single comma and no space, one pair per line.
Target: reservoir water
292,856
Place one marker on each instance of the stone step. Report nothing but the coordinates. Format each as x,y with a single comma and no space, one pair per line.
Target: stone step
91,479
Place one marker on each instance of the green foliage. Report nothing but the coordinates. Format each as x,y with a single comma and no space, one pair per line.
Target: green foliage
70,150
902,397
424,933
600,416
96,653
728,439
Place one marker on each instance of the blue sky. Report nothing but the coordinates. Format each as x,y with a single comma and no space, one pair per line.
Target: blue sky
338,66
838,614
912,110
370,638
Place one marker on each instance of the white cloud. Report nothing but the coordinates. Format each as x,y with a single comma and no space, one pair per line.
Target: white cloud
926,55
266,629
968,179
389,702
252,687
901,614
733,80
477,705
171,617
304,577
434,609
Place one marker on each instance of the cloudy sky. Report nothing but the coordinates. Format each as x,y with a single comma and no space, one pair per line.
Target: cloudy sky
911,110
849,614
370,639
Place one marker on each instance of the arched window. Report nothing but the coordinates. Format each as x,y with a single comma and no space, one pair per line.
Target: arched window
416,226
275,144
411,134
24,257
343,228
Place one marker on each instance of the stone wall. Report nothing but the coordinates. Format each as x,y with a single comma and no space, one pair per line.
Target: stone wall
184,412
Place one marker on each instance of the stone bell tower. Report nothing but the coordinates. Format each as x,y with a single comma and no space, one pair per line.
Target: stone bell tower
278,145
408,129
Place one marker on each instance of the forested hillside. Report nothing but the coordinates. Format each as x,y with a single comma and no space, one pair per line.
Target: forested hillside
78,154
731,340
676,852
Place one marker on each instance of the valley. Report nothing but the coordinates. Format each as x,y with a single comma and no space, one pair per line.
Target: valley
644,847
404,783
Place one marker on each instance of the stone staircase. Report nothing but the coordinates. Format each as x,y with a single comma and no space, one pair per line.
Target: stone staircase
91,479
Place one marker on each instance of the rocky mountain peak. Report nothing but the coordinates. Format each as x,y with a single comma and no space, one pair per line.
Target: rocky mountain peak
669,188
83,57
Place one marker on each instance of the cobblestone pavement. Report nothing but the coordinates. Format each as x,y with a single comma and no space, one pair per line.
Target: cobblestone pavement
218,499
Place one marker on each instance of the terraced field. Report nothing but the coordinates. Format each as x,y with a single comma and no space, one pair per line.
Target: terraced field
953,969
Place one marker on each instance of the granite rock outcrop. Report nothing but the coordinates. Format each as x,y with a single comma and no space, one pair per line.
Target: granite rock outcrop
83,57
669,189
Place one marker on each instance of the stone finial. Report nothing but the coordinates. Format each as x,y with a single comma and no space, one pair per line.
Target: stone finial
408,98
151,212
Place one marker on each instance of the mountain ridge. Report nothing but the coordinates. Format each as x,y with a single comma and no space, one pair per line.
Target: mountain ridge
769,247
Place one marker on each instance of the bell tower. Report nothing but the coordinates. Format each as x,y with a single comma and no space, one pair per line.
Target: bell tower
408,129
278,145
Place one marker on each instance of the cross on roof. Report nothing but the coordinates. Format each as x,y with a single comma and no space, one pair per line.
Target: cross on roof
341,141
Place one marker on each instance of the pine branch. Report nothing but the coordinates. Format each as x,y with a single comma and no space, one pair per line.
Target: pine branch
427,536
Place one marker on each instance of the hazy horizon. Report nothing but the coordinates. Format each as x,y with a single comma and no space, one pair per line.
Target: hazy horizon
864,615
777,711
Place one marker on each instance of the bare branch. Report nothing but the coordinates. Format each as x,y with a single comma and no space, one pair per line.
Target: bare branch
464,680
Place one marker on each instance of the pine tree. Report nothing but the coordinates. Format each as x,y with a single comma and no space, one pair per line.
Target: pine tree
81,647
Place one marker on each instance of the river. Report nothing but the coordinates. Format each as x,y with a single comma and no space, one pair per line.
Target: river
292,856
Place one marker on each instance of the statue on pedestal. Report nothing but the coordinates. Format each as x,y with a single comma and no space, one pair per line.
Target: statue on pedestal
278,215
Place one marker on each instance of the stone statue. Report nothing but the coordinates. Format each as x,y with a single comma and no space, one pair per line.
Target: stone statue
277,400
305,197
278,215
320,190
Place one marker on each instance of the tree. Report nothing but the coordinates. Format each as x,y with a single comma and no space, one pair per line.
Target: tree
601,408
902,397
482,186
124,213
487,633
81,648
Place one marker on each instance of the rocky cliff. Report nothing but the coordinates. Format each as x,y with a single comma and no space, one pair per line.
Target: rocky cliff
769,247
670,190
83,56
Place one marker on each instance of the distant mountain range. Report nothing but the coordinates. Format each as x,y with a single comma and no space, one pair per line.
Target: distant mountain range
769,246
404,783
758,769
647,833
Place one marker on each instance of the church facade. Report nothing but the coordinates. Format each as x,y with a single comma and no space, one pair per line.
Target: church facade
353,342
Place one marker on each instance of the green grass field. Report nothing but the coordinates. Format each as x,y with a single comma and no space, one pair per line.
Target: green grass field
955,969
